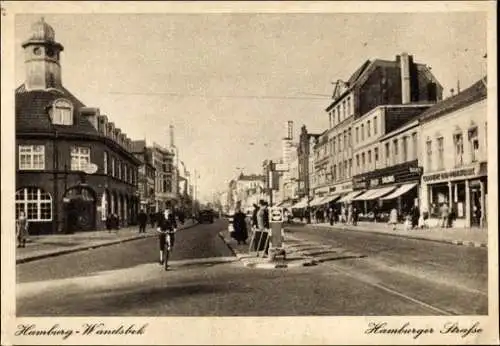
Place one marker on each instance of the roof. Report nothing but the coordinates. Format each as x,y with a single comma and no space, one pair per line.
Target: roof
138,146
475,93
32,115
251,177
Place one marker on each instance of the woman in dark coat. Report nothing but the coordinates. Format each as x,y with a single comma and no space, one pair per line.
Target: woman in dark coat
415,215
240,227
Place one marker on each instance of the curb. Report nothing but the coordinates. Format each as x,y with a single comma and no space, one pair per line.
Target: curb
409,236
266,265
79,248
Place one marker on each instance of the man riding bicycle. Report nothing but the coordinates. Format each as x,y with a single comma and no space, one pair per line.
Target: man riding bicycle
166,225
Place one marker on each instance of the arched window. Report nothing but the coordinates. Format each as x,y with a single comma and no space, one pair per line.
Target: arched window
61,112
36,204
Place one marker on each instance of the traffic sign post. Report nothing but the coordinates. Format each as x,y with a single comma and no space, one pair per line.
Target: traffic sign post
276,241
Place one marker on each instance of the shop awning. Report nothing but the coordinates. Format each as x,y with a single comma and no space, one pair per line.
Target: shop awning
331,198
374,194
349,197
316,201
400,191
285,204
301,204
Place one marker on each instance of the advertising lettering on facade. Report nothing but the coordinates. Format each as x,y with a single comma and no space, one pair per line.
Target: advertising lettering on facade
393,175
450,174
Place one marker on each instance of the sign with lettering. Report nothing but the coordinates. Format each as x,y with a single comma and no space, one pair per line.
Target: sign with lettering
276,214
458,173
374,182
388,179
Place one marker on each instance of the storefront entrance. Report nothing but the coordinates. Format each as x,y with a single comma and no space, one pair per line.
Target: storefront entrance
79,209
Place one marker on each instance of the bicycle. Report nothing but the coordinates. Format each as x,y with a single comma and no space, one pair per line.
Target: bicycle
167,246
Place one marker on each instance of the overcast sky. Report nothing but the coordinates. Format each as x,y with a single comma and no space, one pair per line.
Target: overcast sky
227,80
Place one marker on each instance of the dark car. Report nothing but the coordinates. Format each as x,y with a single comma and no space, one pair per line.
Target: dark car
206,216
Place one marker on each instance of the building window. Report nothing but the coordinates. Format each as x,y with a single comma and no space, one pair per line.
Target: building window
113,167
405,149
343,110
338,114
369,158
333,117
345,140
375,154
387,154
440,144
31,157
414,140
333,144
80,158
349,106
105,163
368,129
357,163
395,157
61,112
339,143
330,119
375,125
350,169
119,169
428,145
362,132
125,173
350,137
35,203
345,169
458,140
357,134
363,162
474,144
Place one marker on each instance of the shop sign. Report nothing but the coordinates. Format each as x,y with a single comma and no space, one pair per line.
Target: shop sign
450,174
374,182
388,179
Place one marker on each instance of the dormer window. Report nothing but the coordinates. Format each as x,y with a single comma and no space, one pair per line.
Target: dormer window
61,112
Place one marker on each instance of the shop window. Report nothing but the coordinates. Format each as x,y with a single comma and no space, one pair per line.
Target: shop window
428,146
405,149
474,144
35,203
438,195
80,158
31,157
458,141
440,148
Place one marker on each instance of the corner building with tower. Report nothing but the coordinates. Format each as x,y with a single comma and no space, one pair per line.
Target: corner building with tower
74,167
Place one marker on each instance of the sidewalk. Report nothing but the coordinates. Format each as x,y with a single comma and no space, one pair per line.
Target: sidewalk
51,245
293,258
459,236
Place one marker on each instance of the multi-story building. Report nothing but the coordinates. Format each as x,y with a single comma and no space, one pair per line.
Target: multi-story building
305,159
165,190
246,189
453,138
73,167
146,176
353,114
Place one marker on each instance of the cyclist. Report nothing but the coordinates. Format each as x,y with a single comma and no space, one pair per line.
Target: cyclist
166,224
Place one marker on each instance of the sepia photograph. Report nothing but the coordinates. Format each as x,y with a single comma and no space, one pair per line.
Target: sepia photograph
321,174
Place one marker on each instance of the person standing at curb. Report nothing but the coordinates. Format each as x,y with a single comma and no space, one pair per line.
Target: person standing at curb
393,218
21,229
142,218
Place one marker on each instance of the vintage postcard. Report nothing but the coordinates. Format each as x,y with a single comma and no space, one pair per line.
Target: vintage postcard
284,173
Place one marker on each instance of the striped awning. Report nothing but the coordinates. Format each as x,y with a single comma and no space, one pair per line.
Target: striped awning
316,201
347,198
400,191
301,204
374,194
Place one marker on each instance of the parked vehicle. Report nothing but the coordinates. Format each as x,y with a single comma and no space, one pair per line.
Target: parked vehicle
206,215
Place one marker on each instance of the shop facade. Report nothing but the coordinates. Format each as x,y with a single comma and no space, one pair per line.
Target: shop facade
454,158
381,190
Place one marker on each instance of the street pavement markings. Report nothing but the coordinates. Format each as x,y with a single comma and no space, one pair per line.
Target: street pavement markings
370,281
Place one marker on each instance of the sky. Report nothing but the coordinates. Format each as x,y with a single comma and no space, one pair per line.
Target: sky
227,80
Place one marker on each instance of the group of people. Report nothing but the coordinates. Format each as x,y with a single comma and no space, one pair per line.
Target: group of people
156,218
259,223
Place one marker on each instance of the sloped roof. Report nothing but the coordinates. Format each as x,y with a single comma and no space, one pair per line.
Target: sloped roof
32,115
475,93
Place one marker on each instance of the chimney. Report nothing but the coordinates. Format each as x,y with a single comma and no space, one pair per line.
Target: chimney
405,78
289,130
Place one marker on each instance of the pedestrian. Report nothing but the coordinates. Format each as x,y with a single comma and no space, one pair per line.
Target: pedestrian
354,216
445,211
415,215
109,222
393,218
22,225
239,226
142,218
116,222
152,219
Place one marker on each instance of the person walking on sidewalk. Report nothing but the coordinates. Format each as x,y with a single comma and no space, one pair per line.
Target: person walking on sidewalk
445,211
354,216
415,215
21,229
240,226
393,218
142,218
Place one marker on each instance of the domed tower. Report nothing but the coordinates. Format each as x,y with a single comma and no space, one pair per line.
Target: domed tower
42,58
